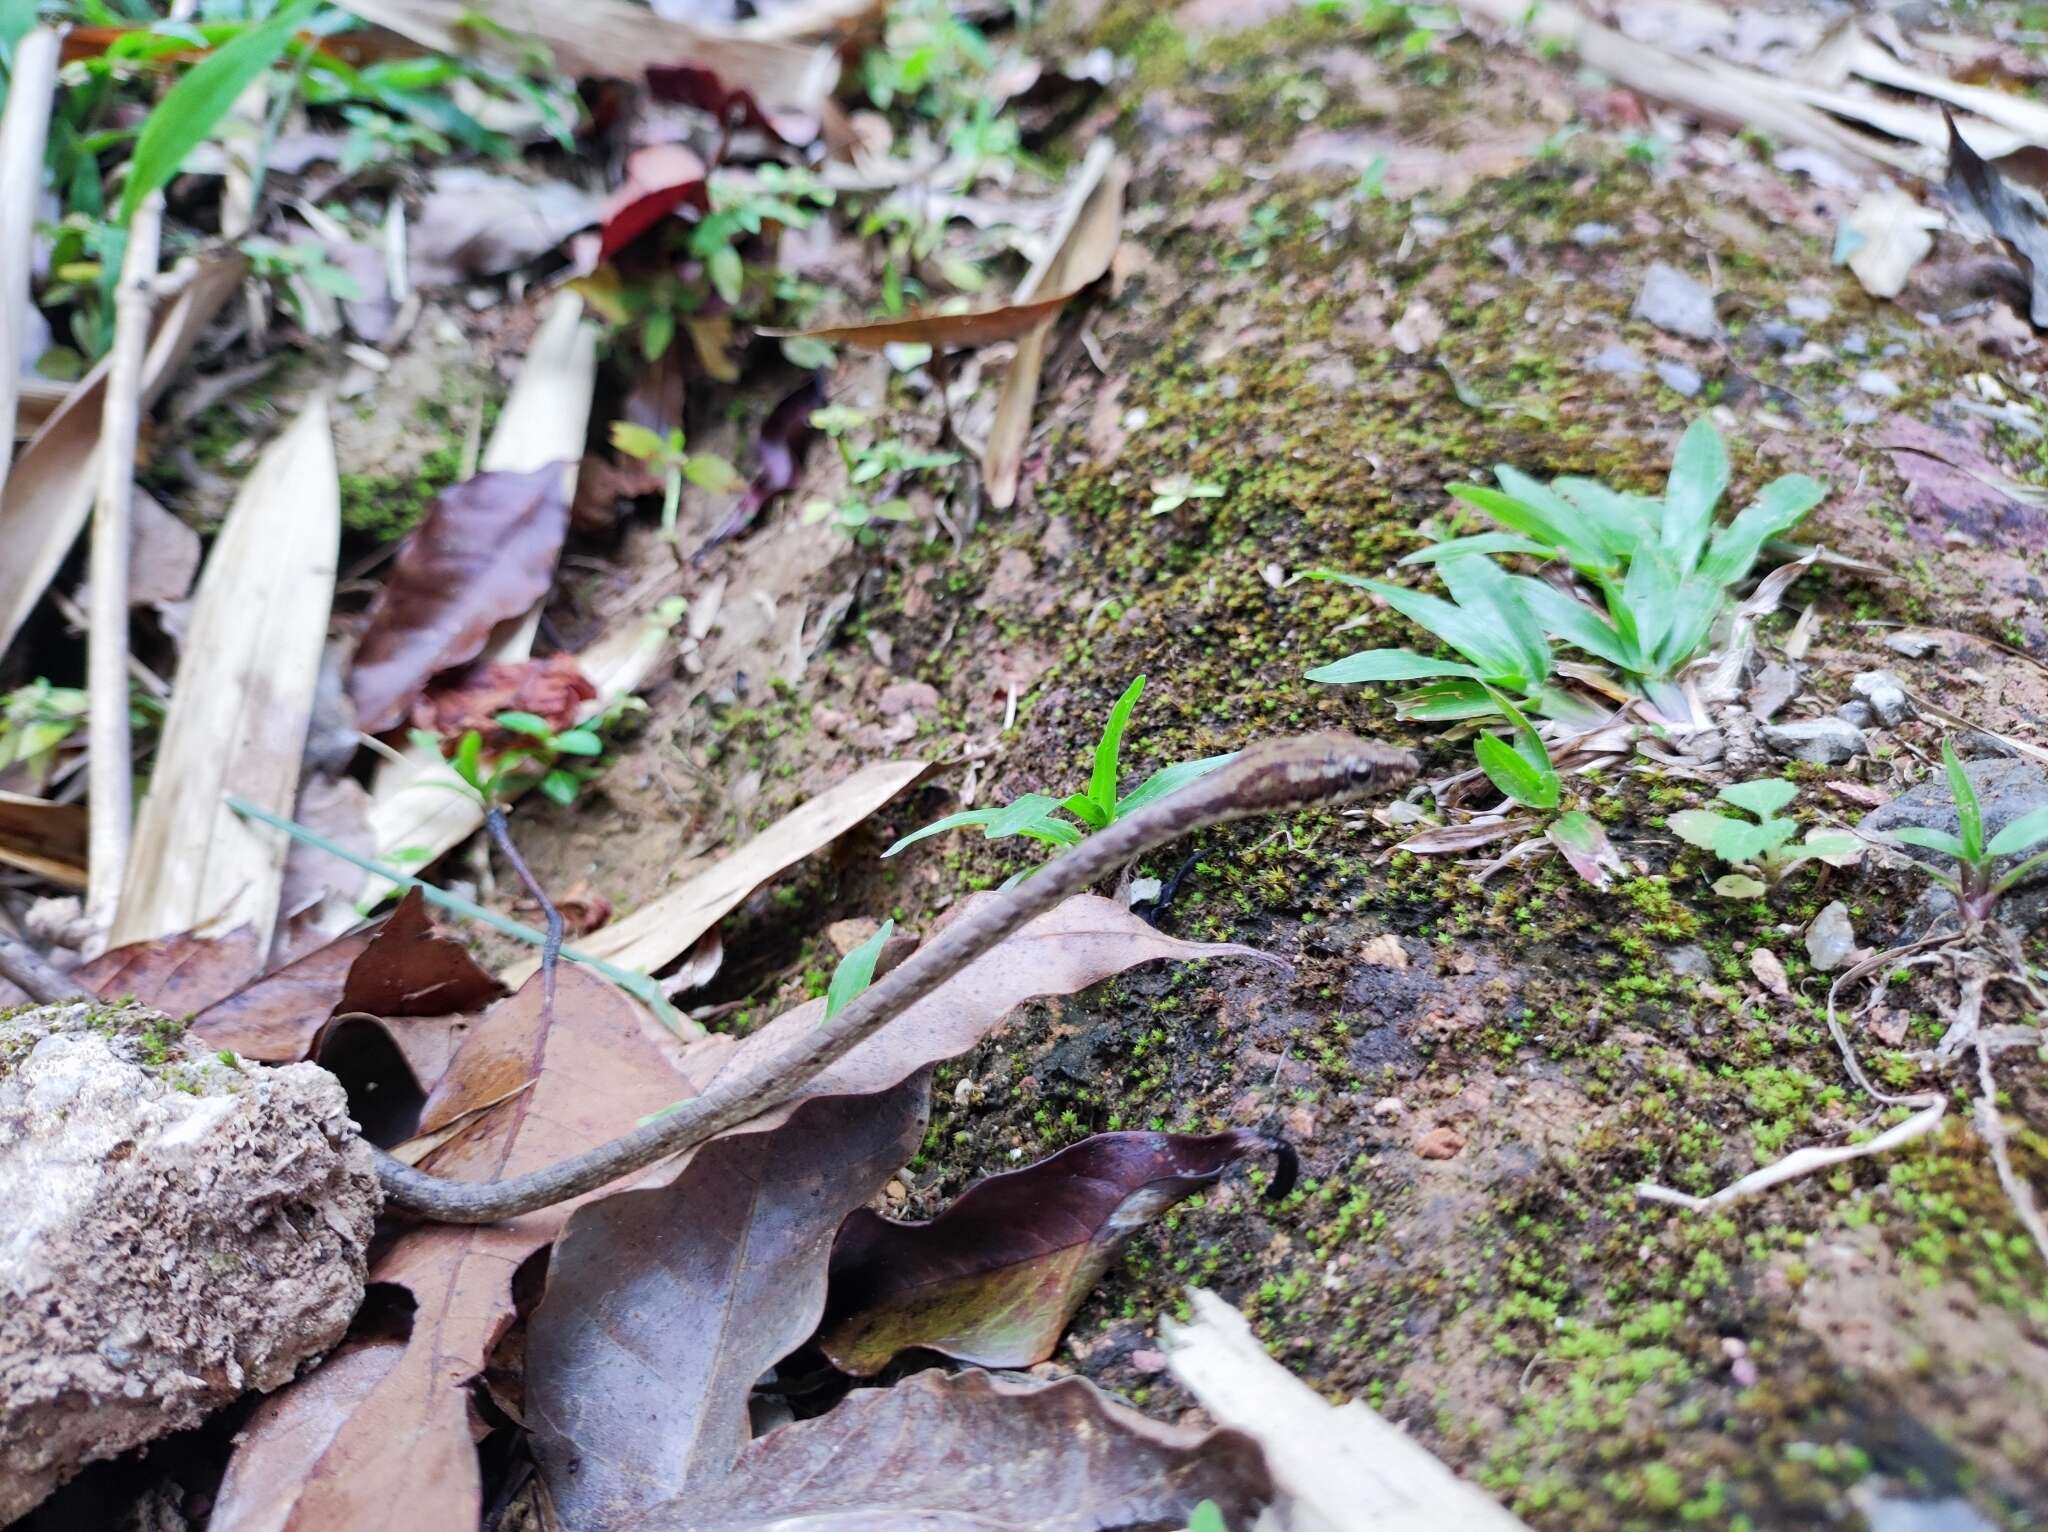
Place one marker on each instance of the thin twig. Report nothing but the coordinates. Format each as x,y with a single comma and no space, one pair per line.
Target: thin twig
31,973
31,86
551,946
638,985
1991,1128
1804,1162
111,769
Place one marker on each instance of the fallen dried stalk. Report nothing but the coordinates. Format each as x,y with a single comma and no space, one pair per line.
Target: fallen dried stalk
1803,1162
1991,1128
31,86
111,780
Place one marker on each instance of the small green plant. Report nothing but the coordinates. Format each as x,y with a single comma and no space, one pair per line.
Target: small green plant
669,457
856,971
559,763
869,463
1172,493
1524,772
1976,883
1761,850
1036,816
37,719
1207,1516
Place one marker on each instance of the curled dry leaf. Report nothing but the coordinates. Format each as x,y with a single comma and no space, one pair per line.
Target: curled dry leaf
943,331
176,974
1888,234
703,88
779,449
554,690
664,1305
659,179
1441,840
2010,195
1001,1454
399,1452
484,552
996,1277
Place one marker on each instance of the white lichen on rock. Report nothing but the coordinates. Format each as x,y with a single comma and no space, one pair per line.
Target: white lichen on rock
180,1228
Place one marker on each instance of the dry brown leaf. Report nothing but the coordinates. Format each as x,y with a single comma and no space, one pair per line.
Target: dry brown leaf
666,927
244,697
296,1425
164,557
1896,233
1080,251
946,331
176,974
401,1453
474,224
50,489
554,690
45,838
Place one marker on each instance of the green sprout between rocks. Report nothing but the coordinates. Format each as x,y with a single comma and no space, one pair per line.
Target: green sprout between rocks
1035,816
1761,850
1976,882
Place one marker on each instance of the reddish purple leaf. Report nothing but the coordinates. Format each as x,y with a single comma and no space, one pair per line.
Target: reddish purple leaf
701,88
784,439
659,179
996,1277
485,552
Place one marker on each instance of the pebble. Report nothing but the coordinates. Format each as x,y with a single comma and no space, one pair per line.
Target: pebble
1914,646
1588,235
1856,343
907,697
1830,939
1885,694
1440,1143
1676,303
1782,336
1681,379
1619,360
1878,385
1688,962
1828,741
1811,309
1858,714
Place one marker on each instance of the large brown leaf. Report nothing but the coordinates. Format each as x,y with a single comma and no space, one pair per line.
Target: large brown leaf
403,1455
177,975
974,1450
942,330
664,1305
401,967
485,552
996,1277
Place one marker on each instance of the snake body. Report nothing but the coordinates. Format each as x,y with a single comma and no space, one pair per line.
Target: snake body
1303,772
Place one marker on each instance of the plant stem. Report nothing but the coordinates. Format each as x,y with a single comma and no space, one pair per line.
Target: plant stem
23,132
551,946
638,985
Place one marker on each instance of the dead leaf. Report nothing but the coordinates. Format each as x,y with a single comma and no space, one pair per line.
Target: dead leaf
1384,951
473,223
1439,1143
401,1454
704,89
1770,973
664,1305
164,556
484,552
554,689
45,838
1333,1466
779,449
50,487
1002,1454
948,331
2007,195
319,894
1438,840
1080,251
663,929
996,1278
243,700
659,179
1893,235
176,974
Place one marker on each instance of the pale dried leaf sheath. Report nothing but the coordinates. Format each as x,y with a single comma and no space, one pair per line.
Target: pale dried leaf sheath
1080,252
1334,1467
31,84
47,839
237,724
49,492
420,804
665,928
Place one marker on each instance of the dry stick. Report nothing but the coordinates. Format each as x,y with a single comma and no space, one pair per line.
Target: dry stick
31,86
30,972
1991,1128
1312,770
111,769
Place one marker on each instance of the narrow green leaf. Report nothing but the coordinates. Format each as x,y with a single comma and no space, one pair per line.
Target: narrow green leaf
192,108
1085,809
524,723
2022,872
1507,770
468,762
1572,525
1620,523
1969,814
1484,542
1026,813
1478,585
1650,593
1102,781
1169,779
1517,515
1699,477
856,971
1528,743
2023,834
1763,797
1446,701
1929,840
1781,506
959,821
1575,623
1387,665
1478,637
1698,606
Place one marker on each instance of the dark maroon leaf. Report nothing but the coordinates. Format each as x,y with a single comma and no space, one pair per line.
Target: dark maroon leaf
2007,194
701,88
664,1305
177,975
553,689
996,1277
973,1450
659,179
485,552
784,439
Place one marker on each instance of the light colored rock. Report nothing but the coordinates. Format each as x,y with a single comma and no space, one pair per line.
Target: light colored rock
1885,694
1676,303
1681,378
1828,741
1830,938
180,1229
900,697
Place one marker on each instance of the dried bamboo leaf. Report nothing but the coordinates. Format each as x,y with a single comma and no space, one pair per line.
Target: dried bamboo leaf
242,703
50,490
45,838
665,928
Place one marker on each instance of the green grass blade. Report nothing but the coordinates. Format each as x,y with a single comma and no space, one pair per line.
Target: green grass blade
856,971
1484,542
1102,783
1929,840
191,109
1478,585
1969,814
1475,636
1387,665
1085,809
1781,507
1506,769
1575,623
1699,477
1651,595
941,826
2023,834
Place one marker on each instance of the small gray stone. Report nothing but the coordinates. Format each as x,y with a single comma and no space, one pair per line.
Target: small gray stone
1856,343
1676,303
1588,235
1825,741
1775,685
1857,713
1885,693
1915,646
1879,385
1812,310
1619,360
1681,379
1830,939
1688,962
1780,336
